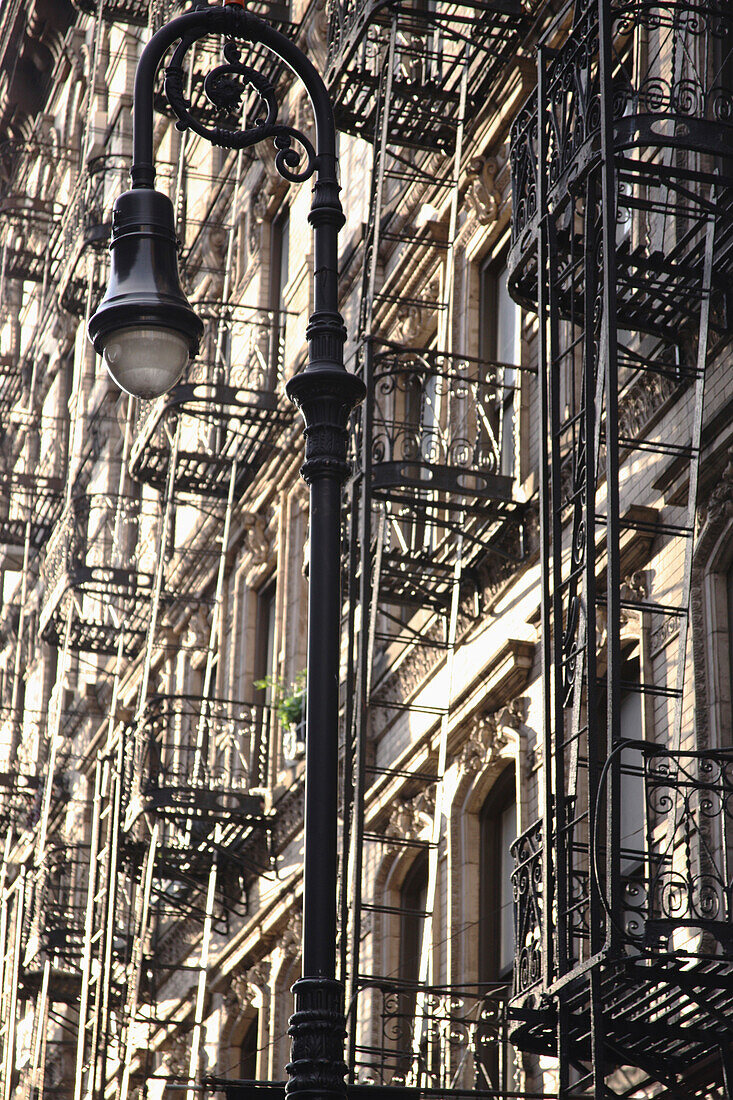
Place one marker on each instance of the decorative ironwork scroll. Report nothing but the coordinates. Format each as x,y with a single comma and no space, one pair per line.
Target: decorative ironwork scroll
225,87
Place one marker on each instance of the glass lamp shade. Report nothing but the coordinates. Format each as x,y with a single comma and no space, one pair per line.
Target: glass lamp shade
144,326
145,361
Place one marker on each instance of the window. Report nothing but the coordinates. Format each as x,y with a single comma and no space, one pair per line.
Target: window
632,793
265,661
279,274
413,899
498,833
729,604
500,341
248,1050
279,258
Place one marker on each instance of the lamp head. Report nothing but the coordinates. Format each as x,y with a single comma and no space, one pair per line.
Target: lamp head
144,327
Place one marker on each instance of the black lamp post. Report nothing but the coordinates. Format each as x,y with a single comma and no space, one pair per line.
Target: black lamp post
146,330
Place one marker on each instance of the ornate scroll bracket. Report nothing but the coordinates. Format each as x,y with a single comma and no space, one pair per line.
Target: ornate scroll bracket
224,87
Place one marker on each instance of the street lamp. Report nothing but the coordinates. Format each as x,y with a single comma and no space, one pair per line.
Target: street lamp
145,329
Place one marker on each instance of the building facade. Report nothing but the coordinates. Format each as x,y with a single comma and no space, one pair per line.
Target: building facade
536,759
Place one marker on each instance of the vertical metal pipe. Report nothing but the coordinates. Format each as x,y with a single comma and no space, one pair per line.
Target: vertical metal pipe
545,523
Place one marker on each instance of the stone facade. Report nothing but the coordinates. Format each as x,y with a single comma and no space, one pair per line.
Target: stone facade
151,797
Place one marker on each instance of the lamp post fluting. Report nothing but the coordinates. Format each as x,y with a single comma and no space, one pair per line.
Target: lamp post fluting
146,330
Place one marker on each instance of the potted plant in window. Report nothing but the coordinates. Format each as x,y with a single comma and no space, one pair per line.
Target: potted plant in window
289,703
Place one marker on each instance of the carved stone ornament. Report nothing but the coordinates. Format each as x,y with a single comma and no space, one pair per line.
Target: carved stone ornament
291,936
412,817
316,36
257,542
483,196
245,985
257,213
175,1056
643,399
633,588
409,323
490,734
717,512
215,250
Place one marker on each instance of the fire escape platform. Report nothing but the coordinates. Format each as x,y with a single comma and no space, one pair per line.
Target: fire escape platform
243,424
131,12
434,469
657,1014
34,497
426,82
83,592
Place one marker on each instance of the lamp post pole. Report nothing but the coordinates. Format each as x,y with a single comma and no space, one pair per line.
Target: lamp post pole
144,290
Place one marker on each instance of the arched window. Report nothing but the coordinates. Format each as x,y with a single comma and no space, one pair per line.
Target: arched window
496,905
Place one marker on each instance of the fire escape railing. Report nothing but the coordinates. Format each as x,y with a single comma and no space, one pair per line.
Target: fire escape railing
97,574
231,405
130,12
28,498
196,772
429,69
55,930
674,895
202,757
436,460
433,1037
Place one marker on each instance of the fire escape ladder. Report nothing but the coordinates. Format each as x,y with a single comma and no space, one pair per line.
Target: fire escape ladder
101,925
13,897
140,931
187,794
430,504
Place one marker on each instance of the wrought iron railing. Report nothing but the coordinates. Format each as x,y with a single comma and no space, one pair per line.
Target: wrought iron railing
202,755
87,224
132,12
529,908
11,381
59,894
231,405
674,92
667,890
26,226
28,498
429,63
677,898
95,572
438,423
672,112
434,1037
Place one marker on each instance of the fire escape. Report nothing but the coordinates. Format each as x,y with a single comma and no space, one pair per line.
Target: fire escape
432,511
622,237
